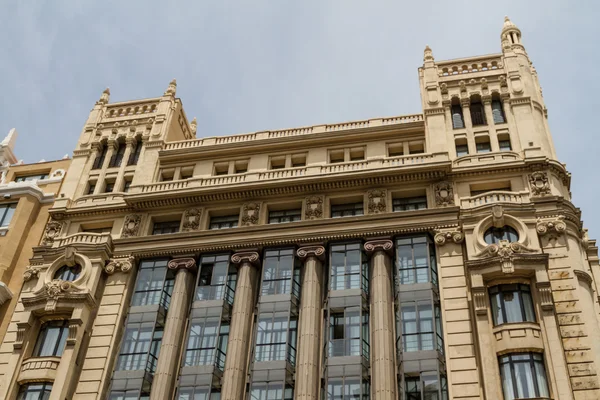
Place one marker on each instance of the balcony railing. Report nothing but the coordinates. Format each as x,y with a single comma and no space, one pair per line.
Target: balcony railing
494,197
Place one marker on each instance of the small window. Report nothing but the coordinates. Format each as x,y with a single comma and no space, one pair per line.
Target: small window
221,168
357,154
511,303
462,148
6,213
110,186
395,149
127,185
495,235
279,217
277,390
166,175
100,156
105,229
34,177
416,148
410,203
164,228
241,167
132,394
523,376
504,142
117,157
336,156
135,154
347,210
299,160
278,162
35,391
481,188
482,144
51,339
225,222
186,172
67,273
91,187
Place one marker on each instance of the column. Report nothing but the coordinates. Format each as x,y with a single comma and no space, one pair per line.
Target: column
100,184
236,363
466,110
119,181
489,119
166,369
309,335
383,344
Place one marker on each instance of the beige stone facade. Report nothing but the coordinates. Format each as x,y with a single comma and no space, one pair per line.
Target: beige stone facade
427,256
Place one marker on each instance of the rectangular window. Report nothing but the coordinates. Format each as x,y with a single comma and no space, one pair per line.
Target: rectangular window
457,117
100,156
133,394
6,213
410,203
106,229
154,284
336,156
240,167
225,222
109,187
395,149
349,333
477,114
91,187
298,160
117,157
523,376
216,279
504,145
127,185
279,217
498,112
511,303
271,391
415,259
34,177
483,146
278,162
198,393
51,339
164,228
221,168
279,274
35,391
462,150
357,154
349,267
347,210
426,386
421,326
416,148
205,341
140,348
348,388
134,156
276,337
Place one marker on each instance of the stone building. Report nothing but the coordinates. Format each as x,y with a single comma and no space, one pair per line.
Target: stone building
427,256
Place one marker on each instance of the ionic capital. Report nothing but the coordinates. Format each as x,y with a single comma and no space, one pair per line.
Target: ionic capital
250,257
123,264
373,246
311,251
441,238
186,264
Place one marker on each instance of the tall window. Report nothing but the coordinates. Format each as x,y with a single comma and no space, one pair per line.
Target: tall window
140,348
6,213
477,111
279,274
117,157
523,376
511,303
427,386
68,273
228,221
279,217
349,267
349,333
100,156
495,235
164,228
347,210
134,156
416,260
504,142
217,278
421,326
458,121
154,284
205,343
271,391
498,111
35,391
51,339
348,388
410,203
276,337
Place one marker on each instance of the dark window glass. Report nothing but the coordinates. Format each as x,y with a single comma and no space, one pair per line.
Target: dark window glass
217,278
348,388
495,235
67,273
27,178
462,150
117,157
140,348
126,186
6,213
505,145
135,154
511,303
349,267
271,391
426,387
498,112
477,114
483,147
346,210
279,274
523,376
91,188
279,217
228,221
100,156
457,117
163,228
198,393
35,391
204,345
415,257
349,333
110,186
410,203
154,284
421,326
51,339
276,338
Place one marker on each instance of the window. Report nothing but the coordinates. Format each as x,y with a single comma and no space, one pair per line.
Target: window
186,172
418,329
127,185
240,167
6,213
487,187
117,157
35,391
154,284
427,386
511,303
347,210
228,221
279,217
348,388
416,148
221,168
458,121
278,162
523,376
409,203
68,273
135,154
495,235
164,228
132,394
357,154
91,188
349,333
349,267
205,341
462,148
336,156
298,160
106,229
498,111
504,142
416,260
276,337
217,278
100,156
482,144
51,339
279,274
140,348
109,187
395,149
271,391
477,111
198,393
27,178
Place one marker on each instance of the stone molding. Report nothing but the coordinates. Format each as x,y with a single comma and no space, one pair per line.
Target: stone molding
539,184
554,226
5,293
122,264
377,201
186,263
311,251
545,293
51,232
441,238
505,253
314,207
250,257
584,276
131,225
385,245
444,194
191,219
31,273
250,214
479,300
74,325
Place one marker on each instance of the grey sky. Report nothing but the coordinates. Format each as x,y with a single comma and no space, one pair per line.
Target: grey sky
254,65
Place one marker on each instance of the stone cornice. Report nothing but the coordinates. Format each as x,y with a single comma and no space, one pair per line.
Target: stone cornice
27,189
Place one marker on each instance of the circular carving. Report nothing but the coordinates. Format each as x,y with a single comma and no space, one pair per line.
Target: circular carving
311,251
382,245
250,257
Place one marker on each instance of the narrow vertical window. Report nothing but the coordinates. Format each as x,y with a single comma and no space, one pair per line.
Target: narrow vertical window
100,156
117,157
458,121
6,213
523,376
216,279
154,284
477,111
134,156
51,339
416,260
497,110
279,274
349,267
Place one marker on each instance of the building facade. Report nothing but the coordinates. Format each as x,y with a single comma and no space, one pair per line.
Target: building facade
427,256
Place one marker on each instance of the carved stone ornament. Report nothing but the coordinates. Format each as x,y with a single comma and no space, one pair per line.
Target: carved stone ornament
479,299
311,251
131,226
427,54
505,250
172,89
585,239
31,273
377,201
74,325
553,227
379,245
123,264
250,257
538,181
250,214
22,329
52,231
314,207
441,238
444,194
187,263
191,219
104,97
56,287
545,293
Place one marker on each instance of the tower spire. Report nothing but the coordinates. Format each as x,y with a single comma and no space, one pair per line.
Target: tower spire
428,54
510,36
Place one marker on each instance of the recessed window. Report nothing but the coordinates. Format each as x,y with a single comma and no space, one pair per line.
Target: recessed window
68,273
186,172
100,157
347,210
117,157
109,187
477,111
395,149
51,339
35,391
107,229
523,376
421,326
416,148
6,213
415,259
166,175
336,156
349,267
458,121
410,203
135,154
279,273
224,222
495,235
481,188
127,184
276,337
497,110
279,217
163,228
357,154
511,303
504,142
462,148
34,177
349,333
240,167
299,160
221,168
278,162
482,144
91,187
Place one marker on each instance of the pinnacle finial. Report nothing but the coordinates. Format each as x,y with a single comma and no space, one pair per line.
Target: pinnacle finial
104,97
172,89
194,125
427,54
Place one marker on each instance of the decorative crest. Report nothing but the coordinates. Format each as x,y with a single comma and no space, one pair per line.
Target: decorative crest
505,250
191,219
131,226
313,207
444,194
377,201
538,181
250,214
52,231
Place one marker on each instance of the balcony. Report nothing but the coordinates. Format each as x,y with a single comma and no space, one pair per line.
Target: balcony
84,238
494,197
39,369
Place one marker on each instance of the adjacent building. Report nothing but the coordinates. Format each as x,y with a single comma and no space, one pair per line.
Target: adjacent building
427,256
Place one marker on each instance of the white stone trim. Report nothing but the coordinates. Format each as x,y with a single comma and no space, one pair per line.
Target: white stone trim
5,293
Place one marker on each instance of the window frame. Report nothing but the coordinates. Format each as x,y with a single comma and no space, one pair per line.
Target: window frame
145,352
348,272
224,221
418,387
418,331
66,273
420,202
154,295
508,233
339,388
199,352
285,278
100,157
7,209
535,360
276,337
352,324
222,284
31,177
406,270
43,392
287,391
60,341
294,213
499,292
165,227
464,150
353,209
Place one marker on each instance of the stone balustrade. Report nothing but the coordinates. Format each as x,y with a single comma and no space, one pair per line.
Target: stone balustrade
84,238
39,369
495,197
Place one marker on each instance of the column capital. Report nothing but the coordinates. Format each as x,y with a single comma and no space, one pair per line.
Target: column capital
187,264
251,257
317,251
375,245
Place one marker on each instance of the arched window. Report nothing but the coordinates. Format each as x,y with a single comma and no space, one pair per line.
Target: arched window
66,273
495,235
458,121
477,112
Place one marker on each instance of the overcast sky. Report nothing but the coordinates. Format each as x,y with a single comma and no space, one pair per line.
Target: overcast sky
257,65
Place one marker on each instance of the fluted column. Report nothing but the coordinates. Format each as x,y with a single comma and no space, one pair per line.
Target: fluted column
166,368
100,184
489,119
309,336
383,344
236,363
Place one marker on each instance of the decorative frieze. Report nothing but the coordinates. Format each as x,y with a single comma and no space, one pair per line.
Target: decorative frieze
311,251
539,184
250,214
505,252
313,207
444,194
377,201
479,300
52,231
131,226
123,264
441,238
191,220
